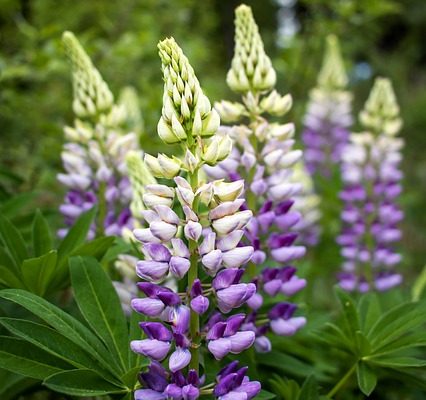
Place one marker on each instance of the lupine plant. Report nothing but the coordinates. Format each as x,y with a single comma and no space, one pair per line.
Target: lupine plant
94,154
264,157
205,237
371,175
193,233
328,117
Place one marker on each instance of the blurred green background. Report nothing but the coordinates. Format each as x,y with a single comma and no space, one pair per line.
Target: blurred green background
378,37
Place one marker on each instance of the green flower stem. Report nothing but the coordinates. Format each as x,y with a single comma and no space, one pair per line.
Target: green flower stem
102,209
342,382
194,323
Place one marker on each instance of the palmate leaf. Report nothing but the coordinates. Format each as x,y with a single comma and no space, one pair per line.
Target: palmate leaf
309,390
23,358
8,278
398,362
64,323
52,342
350,314
100,306
82,382
396,322
13,384
369,311
366,377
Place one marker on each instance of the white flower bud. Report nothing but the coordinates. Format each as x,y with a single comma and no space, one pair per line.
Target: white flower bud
229,111
210,124
228,191
166,133
170,167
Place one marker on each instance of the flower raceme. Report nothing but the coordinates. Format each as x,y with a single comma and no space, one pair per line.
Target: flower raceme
94,155
371,176
192,231
264,157
328,117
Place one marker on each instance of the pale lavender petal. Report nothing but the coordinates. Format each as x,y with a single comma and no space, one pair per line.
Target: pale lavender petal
149,394
220,347
193,230
147,306
162,230
179,359
241,341
230,241
286,254
237,257
292,286
179,266
152,348
152,270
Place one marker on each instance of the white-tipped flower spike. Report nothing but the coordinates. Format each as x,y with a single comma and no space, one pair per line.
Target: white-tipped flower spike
260,165
332,75
371,177
381,111
139,176
187,112
328,116
91,94
251,69
94,158
201,233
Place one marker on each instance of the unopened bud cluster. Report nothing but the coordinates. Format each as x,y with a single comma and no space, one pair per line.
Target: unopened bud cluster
371,176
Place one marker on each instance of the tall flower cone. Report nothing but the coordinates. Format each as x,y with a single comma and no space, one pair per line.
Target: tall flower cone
192,231
328,116
263,155
95,149
371,176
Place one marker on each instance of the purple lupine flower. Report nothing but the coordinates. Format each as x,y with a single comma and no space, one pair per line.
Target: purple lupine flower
328,118
371,176
224,337
264,156
233,384
94,157
283,323
189,227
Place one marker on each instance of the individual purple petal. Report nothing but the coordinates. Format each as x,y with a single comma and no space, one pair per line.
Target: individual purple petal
180,319
234,296
166,214
226,208
233,323
200,304
241,341
193,230
190,392
168,297
237,257
286,254
227,277
152,348
157,252
179,359
156,330
208,244
230,241
173,391
293,286
262,344
216,331
272,287
179,266
152,270
147,306
163,230
179,248
145,236
212,261
219,347
149,394
251,389
255,301
288,327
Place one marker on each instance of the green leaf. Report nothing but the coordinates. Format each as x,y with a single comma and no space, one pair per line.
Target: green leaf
416,339
363,345
367,379
51,341
309,389
264,395
96,248
64,323
41,236
9,279
349,312
286,363
397,321
37,272
370,311
76,236
13,242
14,384
398,362
100,306
419,286
82,383
23,358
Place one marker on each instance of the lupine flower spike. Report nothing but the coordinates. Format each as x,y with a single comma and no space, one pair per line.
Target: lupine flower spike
94,155
264,157
192,231
371,176
328,117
